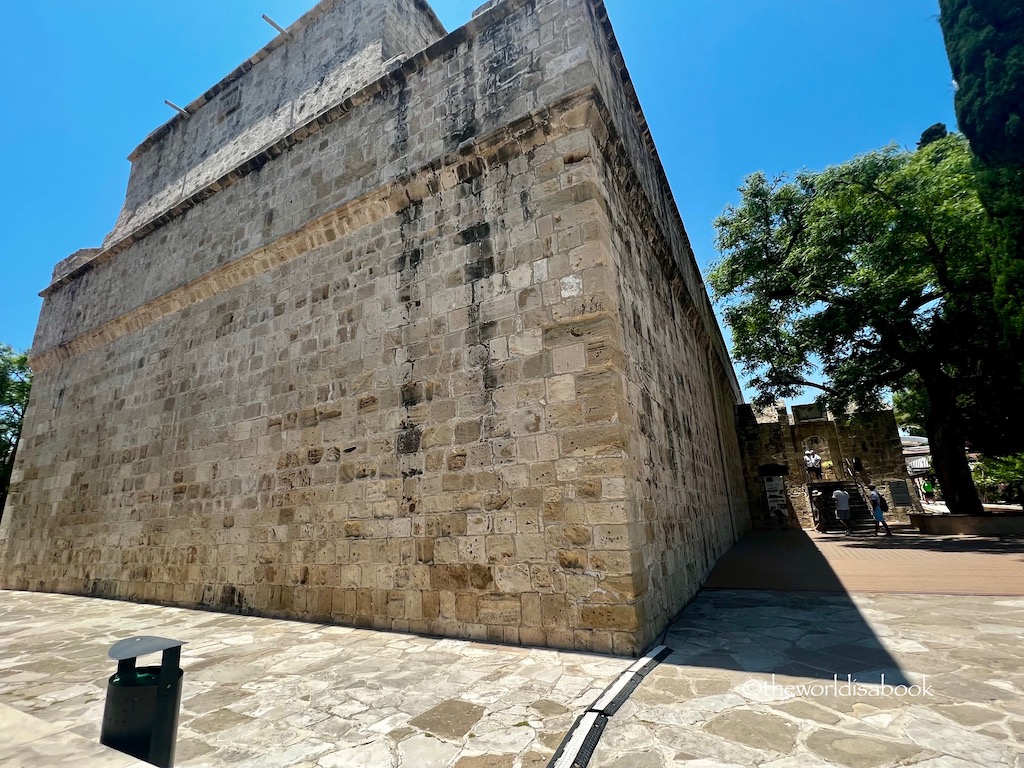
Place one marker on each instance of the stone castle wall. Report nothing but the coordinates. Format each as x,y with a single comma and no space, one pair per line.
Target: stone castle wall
410,370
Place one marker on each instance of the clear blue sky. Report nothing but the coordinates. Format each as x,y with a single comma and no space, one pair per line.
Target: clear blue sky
728,86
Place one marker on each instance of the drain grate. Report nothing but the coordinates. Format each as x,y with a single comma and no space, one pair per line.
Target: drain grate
580,742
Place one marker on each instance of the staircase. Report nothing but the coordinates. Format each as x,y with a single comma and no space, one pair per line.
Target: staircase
860,514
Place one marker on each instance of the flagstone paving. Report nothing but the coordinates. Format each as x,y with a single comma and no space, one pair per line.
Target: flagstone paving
264,693
760,679
756,678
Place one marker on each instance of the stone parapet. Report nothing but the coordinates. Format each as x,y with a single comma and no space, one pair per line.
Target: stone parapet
331,52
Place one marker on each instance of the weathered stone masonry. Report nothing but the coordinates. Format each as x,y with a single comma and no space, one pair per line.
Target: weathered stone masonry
414,343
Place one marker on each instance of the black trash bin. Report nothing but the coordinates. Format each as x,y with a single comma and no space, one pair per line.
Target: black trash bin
140,717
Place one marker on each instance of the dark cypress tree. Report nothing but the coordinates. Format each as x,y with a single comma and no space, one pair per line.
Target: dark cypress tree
932,133
985,44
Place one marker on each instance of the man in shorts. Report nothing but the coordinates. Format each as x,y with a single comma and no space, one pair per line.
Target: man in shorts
842,499
878,509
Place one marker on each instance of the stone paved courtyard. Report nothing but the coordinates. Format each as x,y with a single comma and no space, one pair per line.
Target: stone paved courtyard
717,705
261,692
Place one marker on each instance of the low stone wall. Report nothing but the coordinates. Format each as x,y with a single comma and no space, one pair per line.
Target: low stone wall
1006,524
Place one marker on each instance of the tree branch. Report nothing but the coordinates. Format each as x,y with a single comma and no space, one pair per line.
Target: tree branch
802,383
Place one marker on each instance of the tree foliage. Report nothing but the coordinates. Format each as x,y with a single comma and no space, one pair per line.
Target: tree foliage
1001,478
932,133
985,44
876,271
15,383
910,406
852,268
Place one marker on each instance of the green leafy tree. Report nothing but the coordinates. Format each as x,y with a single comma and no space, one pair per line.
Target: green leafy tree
1001,478
876,273
910,406
985,44
15,383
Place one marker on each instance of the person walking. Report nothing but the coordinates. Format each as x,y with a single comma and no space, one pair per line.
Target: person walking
878,509
929,489
842,499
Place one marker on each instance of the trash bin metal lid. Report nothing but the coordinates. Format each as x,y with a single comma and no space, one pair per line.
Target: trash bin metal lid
140,646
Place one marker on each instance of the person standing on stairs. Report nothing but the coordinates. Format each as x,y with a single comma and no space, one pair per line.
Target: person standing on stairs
812,463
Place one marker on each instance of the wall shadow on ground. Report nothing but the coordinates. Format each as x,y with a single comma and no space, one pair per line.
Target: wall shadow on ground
774,606
911,539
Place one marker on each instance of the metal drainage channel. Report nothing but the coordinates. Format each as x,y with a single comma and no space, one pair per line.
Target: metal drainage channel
580,742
